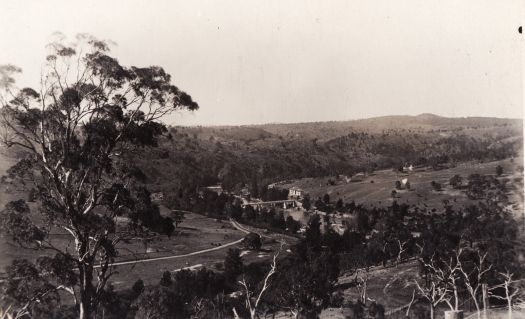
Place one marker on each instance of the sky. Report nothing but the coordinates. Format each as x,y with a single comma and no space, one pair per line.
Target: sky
268,61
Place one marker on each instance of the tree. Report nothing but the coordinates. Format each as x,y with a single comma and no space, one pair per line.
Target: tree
313,231
292,225
437,289
166,279
158,302
456,181
252,241
233,265
339,204
473,271
27,289
397,184
499,170
138,287
326,199
253,298
304,284
306,202
78,129
512,290
250,213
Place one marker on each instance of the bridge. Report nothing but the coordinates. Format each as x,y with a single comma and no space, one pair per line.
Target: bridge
286,203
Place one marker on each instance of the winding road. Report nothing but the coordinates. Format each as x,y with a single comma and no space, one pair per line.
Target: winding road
146,260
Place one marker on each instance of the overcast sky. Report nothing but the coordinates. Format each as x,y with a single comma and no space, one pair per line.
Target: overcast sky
265,61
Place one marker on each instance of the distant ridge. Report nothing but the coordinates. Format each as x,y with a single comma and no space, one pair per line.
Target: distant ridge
423,117
428,116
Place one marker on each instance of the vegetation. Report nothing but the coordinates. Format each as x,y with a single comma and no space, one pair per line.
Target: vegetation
191,156
78,130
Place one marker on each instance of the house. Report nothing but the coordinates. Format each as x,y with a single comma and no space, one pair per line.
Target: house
295,193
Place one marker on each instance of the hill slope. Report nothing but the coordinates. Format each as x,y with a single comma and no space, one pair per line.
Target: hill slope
259,154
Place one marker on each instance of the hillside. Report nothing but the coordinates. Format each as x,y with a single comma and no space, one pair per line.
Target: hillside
260,154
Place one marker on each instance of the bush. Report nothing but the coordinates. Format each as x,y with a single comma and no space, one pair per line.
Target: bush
252,241
455,181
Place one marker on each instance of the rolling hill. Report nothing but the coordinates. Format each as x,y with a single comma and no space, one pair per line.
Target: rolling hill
260,154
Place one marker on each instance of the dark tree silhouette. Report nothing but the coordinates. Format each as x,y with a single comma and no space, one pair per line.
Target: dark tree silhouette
499,170
233,265
252,241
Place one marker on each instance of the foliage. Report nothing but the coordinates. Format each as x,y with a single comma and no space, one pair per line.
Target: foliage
252,241
397,184
499,170
233,264
79,129
456,181
166,279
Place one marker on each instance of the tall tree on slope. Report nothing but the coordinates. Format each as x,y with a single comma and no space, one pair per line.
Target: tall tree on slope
89,112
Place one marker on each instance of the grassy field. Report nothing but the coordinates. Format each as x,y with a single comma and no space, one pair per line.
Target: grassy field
375,189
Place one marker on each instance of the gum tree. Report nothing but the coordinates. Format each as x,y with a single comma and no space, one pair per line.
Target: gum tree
77,130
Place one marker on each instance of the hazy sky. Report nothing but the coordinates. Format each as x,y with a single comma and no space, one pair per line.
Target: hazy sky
248,61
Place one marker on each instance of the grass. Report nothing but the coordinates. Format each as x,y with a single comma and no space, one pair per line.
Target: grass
375,189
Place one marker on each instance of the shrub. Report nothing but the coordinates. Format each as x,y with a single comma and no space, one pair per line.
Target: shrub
252,241
455,181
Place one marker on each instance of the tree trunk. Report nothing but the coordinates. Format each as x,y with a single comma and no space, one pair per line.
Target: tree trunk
86,291
484,290
477,308
431,311
85,310
509,300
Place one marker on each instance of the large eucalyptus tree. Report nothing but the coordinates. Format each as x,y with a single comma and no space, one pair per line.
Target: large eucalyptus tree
76,129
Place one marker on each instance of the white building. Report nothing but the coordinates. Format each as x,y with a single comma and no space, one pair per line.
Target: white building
295,193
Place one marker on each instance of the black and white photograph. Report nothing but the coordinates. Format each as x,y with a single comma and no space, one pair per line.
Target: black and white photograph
262,159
